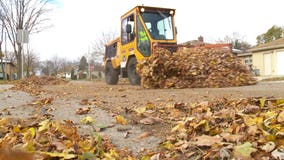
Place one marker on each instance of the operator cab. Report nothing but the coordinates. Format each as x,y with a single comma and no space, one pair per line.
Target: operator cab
159,24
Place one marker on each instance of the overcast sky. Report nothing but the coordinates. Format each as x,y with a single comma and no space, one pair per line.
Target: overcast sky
77,24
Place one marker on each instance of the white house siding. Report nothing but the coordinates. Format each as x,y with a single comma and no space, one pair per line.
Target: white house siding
280,63
267,64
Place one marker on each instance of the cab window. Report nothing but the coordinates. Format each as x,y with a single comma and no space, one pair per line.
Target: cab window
127,22
143,42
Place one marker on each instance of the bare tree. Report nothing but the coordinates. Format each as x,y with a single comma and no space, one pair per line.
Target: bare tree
57,65
1,42
46,67
236,40
98,47
65,65
29,15
30,60
10,56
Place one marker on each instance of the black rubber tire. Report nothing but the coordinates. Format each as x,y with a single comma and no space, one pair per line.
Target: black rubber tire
111,74
133,77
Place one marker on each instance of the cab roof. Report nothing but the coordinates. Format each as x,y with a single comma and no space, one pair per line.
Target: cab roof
148,8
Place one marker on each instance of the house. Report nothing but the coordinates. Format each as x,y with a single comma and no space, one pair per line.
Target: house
268,58
9,68
246,59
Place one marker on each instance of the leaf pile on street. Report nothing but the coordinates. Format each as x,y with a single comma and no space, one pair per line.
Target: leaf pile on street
34,84
53,140
250,128
193,68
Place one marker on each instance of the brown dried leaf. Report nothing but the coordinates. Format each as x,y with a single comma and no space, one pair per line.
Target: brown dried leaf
144,135
85,102
280,117
81,111
232,137
150,120
205,140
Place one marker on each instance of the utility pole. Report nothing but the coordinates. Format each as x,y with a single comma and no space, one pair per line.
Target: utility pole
22,38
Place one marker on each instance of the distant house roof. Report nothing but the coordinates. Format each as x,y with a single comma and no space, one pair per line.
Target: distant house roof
237,51
244,55
279,43
7,62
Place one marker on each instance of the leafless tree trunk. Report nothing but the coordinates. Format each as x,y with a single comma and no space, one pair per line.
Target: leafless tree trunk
1,51
29,15
98,47
30,60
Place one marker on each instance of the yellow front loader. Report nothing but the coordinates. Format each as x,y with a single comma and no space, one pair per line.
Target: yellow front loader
142,30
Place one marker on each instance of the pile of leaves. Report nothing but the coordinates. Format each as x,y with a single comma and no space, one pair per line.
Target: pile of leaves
34,84
53,140
193,68
251,128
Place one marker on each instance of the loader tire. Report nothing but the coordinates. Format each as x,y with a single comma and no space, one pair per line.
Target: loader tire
133,77
111,74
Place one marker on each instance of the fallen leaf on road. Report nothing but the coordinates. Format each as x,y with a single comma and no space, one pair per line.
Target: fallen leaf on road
88,120
122,129
81,111
140,110
143,135
85,102
126,134
120,120
150,120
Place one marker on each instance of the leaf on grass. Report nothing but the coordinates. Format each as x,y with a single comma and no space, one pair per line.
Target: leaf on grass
244,151
120,120
88,120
